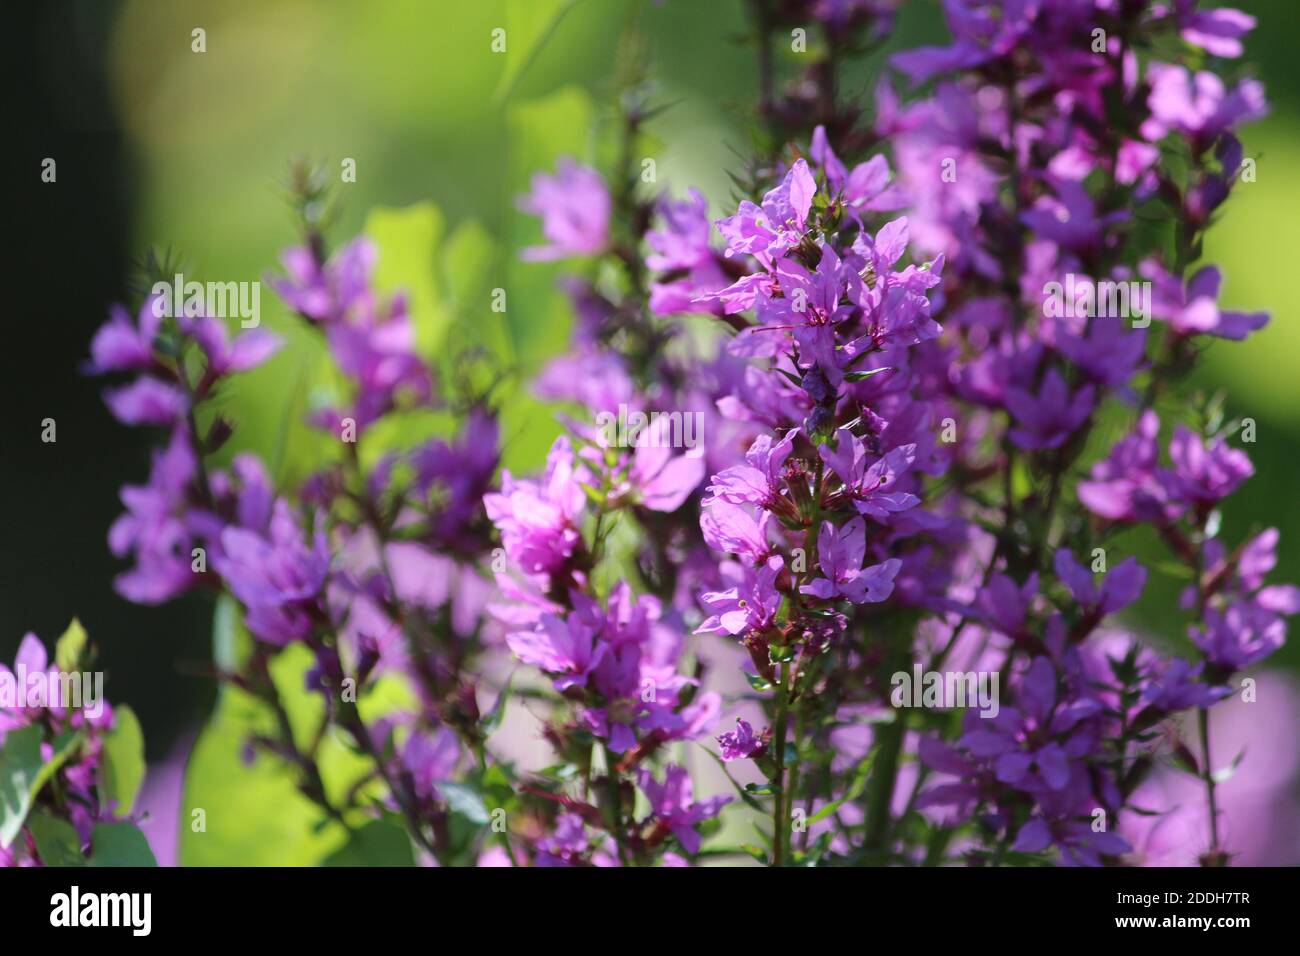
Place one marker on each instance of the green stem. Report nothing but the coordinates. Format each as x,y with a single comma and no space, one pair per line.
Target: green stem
794,775
780,816
881,788
1207,772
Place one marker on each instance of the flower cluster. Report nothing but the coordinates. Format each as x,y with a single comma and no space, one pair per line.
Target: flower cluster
73,762
370,563
859,432
901,402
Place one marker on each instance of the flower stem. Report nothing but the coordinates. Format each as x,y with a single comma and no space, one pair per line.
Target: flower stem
780,821
1207,772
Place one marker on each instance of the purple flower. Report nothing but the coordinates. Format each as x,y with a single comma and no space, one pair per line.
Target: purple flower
1107,353
1218,31
971,785
742,743
569,648
1069,219
750,605
249,349
148,401
1198,105
839,554
1004,604
31,659
683,242
538,519
328,293
1123,486
158,528
574,205
1177,686
1079,844
732,529
1246,580
1195,309
377,351
1048,419
766,232
567,845
660,478
869,487
866,187
1239,636
593,377
673,805
279,577
759,480
430,756
1205,473
1032,745
458,474
120,346
1120,588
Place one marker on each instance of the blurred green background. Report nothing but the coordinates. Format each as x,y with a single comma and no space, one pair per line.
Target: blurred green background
190,151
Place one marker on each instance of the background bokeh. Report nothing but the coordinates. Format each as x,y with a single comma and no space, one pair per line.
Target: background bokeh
158,146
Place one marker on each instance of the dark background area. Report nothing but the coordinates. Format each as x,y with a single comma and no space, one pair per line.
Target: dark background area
67,258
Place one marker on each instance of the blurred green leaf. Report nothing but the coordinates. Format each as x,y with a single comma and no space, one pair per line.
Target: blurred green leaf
119,844
23,773
69,648
409,240
529,25
234,794
122,760
378,843
240,826
56,841
466,801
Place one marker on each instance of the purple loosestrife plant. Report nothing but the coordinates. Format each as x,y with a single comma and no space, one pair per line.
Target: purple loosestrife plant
834,500
371,563
907,488
72,763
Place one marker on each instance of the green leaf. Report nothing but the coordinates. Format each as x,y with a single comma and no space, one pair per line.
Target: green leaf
56,841
23,773
747,798
20,761
498,786
492,721
855,790
231,644
758,683
529,26
467,264
409,240
122,767
378,843
254,815
778,653
119,844
466,801
863,374
69,648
